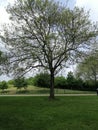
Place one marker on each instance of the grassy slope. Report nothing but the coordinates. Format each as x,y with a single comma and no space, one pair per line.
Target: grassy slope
38,113
39,90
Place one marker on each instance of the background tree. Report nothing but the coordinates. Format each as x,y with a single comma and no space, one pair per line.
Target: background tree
88,68
30,80
20,83
11,82
70,80
46,34
74,83
42,80
3,85
60,82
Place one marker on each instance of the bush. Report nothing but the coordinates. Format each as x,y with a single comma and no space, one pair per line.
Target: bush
20,83
42,80
3,85
60,82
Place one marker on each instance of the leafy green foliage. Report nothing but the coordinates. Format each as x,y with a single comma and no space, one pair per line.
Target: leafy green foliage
42,80
60,82
71,80
88,68
11,82
74,83
90,85
88,71
30,81
20,83
3,85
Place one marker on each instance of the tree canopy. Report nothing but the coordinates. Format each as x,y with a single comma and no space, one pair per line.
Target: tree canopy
46,34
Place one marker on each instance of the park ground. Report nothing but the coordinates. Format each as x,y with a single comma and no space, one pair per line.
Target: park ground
39,113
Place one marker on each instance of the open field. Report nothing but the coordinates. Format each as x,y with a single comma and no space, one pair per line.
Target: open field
38,113
38,90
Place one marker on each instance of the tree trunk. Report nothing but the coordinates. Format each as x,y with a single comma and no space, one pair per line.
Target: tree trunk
51,85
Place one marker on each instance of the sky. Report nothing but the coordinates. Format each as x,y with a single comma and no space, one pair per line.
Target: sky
91,5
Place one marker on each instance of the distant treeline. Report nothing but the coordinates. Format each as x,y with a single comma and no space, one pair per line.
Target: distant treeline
43,80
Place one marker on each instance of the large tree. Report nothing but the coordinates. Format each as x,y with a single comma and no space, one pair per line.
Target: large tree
46,34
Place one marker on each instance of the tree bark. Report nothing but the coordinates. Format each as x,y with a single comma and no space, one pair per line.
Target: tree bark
51,85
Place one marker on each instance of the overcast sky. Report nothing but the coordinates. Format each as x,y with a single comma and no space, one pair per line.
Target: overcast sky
91,5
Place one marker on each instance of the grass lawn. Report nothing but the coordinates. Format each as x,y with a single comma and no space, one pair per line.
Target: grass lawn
38,113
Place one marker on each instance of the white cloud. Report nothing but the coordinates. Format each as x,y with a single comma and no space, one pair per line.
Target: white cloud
91,5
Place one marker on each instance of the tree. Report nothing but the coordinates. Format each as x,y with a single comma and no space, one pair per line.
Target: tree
70,80
42,80
88,68
3,85
60,82
30,80
20,83
46,34
74,83
11,82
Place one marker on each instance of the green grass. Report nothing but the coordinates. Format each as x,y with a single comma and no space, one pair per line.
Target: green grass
38,113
